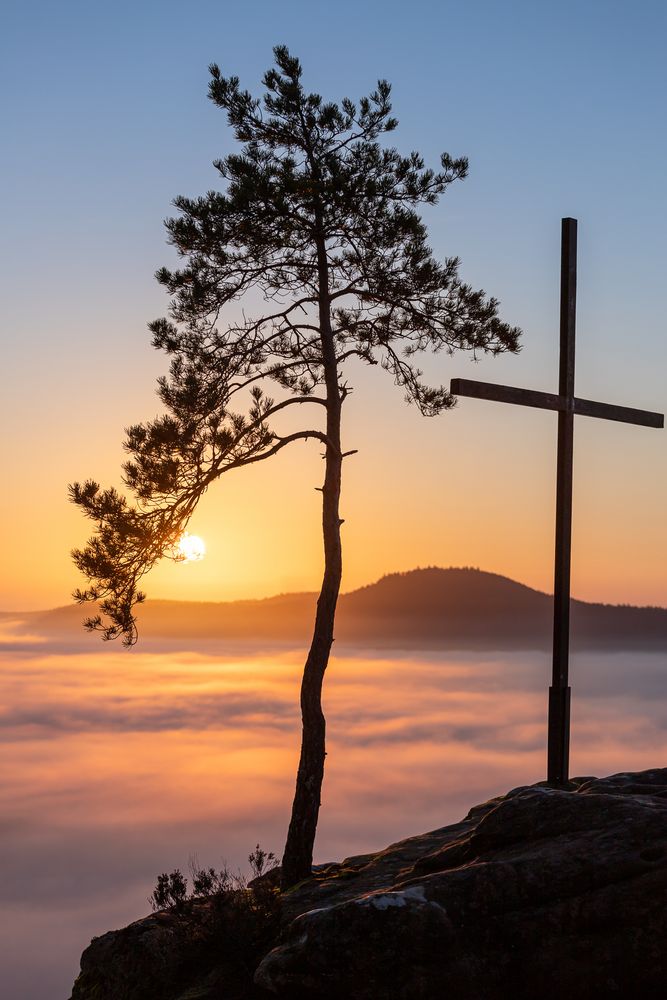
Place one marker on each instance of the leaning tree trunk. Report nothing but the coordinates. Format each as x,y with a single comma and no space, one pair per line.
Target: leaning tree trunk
298,856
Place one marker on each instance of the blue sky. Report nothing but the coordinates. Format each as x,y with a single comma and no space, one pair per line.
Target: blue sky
560,108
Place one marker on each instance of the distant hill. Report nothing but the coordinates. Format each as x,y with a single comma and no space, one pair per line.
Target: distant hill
424,608
472,607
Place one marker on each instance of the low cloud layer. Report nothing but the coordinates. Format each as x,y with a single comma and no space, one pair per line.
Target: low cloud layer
117,766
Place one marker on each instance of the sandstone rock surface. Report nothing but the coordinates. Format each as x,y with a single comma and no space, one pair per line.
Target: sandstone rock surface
539,893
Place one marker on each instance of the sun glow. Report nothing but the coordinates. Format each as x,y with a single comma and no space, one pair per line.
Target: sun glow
189,548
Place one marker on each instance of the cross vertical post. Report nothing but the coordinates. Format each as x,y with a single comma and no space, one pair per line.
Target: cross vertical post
567,406
558,741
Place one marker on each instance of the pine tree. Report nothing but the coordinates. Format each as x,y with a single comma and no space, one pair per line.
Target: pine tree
320,219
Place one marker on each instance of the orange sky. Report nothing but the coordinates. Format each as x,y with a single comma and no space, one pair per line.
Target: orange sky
471,487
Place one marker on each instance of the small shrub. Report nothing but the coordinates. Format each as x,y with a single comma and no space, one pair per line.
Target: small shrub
259,860
240,922
209,882
171,890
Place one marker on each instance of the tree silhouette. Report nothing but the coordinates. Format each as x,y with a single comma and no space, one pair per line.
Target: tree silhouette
318,220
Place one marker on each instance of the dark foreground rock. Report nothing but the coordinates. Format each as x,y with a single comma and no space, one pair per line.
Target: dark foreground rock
539,893
187,954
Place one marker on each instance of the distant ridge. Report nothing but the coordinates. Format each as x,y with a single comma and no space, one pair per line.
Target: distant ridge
422,608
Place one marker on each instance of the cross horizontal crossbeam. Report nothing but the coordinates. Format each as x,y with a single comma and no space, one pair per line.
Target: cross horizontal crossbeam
551,401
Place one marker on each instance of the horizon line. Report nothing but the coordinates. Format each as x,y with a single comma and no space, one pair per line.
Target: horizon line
366,586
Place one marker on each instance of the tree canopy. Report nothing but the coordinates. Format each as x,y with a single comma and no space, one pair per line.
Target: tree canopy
315,212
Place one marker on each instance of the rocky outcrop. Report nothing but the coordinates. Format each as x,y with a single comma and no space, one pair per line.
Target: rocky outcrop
206,950
539,893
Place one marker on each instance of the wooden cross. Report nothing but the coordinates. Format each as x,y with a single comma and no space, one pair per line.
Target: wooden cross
567,405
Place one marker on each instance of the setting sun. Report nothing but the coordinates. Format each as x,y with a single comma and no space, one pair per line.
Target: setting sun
189,548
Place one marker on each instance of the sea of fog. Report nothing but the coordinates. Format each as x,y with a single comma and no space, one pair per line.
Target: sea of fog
118,765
